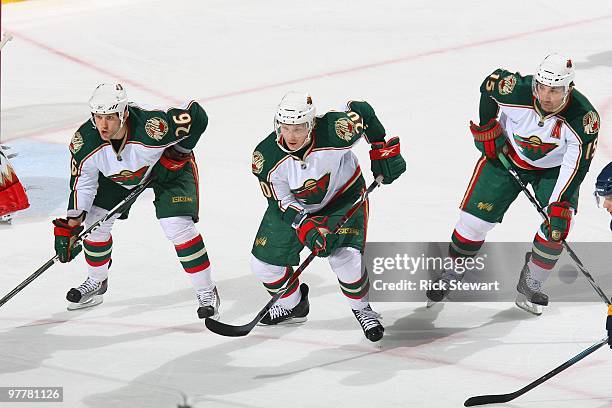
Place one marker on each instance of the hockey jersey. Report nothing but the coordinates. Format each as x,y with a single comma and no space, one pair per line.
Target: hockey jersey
150,131
538,139
322,172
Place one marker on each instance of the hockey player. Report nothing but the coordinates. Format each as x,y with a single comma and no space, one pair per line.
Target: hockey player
117,149
548,130
603,188
12,194
310,177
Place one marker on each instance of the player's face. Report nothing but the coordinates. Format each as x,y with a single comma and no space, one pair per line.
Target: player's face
107,125
551,97
607,204
294,135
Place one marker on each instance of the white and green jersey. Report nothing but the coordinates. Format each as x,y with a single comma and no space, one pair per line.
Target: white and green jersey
326,170
566,138
150,131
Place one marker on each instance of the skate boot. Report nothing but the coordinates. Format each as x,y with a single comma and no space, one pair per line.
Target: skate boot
6,219
209,303
88,294
441,287
530,297
368,319
280,315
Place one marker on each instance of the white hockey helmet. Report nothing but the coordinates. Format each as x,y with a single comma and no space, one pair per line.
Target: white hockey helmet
295,108
108,98
556,70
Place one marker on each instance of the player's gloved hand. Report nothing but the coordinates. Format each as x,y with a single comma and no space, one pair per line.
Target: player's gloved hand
488,138
609,325
387,160
315,234
168,166
560,215
65,235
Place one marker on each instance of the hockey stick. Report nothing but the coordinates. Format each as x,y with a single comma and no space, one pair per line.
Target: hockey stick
500,398
543,214
116,209
6,37
225,329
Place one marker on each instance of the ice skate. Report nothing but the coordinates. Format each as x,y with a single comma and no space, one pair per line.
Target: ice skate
530,297
209,303
281,315
441,287
369,321
88,294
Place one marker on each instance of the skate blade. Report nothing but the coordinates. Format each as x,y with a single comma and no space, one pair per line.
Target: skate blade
522,302
431,303
213,317
94,301
289,322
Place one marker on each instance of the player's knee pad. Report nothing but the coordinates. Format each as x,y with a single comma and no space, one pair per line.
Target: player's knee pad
179,229
103,232
267,272
343,258
354,284
472,227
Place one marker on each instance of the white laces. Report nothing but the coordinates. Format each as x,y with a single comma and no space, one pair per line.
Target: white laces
533,284
89,286
207,297
278,311
367,318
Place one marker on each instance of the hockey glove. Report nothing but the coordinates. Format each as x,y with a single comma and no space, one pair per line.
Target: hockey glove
488,138
169,165
560,215
65,235
609,325
315,234
387,160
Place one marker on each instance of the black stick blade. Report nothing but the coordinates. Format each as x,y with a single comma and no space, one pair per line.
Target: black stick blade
489,399
228,330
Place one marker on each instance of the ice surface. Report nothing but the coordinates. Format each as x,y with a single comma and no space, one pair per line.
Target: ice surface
420,64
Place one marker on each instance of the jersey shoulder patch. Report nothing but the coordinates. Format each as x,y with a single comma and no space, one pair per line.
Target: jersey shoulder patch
336,129
149,127
84,141
508,87
266,156
582,116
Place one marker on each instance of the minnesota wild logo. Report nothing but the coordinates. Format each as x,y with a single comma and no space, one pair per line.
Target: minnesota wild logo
313,191
129,178
76,143
506,85
532,147
345,129
156,128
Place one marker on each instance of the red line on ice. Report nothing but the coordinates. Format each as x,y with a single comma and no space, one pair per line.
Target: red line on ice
94,67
